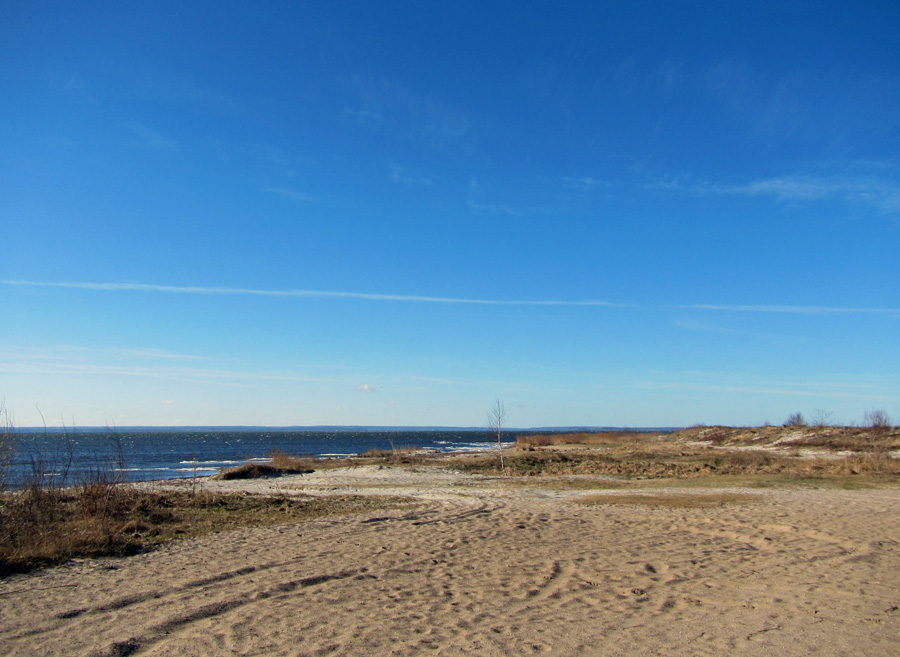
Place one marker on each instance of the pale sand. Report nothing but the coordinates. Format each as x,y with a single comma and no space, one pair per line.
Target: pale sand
490,568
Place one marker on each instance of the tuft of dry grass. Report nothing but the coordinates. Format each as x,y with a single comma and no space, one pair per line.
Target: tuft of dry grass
279,464
395,456
288,464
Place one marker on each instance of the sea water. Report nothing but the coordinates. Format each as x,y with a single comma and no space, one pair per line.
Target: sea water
78,456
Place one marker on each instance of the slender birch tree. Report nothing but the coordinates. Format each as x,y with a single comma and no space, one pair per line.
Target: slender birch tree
496,418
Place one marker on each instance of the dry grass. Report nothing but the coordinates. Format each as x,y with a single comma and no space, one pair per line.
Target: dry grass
288,464
280,463
662,457
394,456
601,438
41,528
867,439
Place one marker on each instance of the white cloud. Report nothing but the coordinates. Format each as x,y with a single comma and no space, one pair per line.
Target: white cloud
365,388
56,362
369,296
881,193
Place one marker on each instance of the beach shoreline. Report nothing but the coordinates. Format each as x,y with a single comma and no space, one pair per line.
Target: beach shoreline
491,565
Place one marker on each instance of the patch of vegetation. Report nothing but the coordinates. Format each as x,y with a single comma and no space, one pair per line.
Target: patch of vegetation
598,438
658,459
393,456
40,527
279,464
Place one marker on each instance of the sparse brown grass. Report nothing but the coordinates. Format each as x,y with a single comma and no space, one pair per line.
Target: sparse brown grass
396,455
600,438
831,438
650,457
286,463
41,528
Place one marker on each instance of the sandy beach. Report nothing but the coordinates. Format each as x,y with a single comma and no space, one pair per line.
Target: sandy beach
478,565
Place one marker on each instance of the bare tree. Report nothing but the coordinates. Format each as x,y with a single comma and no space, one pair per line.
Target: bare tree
496,418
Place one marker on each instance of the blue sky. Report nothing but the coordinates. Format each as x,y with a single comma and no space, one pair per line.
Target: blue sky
392,213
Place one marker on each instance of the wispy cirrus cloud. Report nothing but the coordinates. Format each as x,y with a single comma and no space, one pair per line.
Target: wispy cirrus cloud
794,310
47,364
416,115
863,182
411,298
176,289
80,353
883,194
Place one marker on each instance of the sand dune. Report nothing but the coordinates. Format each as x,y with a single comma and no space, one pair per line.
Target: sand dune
487,567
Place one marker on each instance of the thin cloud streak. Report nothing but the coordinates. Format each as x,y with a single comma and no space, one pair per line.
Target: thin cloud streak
175,289
58,368
795,310
369,296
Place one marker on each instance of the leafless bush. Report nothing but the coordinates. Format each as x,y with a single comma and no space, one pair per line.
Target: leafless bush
877,419
822,419
795,420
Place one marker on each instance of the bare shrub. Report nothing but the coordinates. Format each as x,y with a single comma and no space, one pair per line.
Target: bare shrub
877,419
795,420
822,419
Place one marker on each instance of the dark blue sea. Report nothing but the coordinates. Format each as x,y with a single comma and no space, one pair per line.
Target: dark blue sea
76,456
